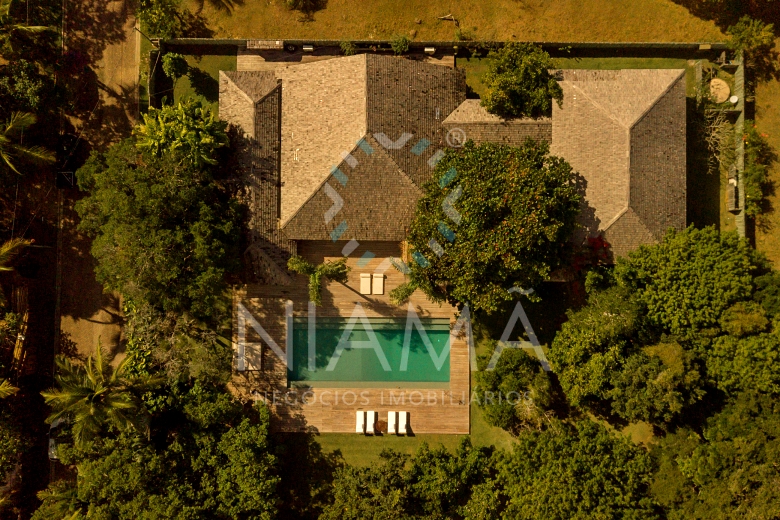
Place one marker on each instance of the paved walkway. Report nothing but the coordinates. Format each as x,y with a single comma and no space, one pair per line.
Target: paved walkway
104,32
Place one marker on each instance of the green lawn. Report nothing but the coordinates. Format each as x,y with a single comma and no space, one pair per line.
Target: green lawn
202,83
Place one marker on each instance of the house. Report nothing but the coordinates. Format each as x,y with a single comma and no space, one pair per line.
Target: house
334,155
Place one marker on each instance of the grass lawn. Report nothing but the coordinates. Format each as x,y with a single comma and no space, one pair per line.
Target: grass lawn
768,121
548,20
202,83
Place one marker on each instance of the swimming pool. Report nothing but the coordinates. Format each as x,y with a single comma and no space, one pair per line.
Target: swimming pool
371,350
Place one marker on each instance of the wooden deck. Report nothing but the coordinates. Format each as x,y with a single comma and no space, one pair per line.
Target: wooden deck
328,409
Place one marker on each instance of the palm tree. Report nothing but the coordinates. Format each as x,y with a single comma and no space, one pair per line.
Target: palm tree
94,395
7,389
336,271
10,150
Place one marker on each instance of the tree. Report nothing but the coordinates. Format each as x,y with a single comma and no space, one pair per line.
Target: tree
97,395
165,232
174,65
568,471
687,280
336,271
493,217
161,17
209,457
757,40
433,483
23,87
9,250
516,394
188,129
730,470
519,83
12,33
11,152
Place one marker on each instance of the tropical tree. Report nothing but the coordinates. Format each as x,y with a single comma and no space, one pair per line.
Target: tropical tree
493,217
519,83
336,271
96,395
188,129
11,151
12,31
165,232
7,389
9,250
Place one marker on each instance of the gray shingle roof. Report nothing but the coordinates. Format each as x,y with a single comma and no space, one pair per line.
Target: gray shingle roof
624,132
481,126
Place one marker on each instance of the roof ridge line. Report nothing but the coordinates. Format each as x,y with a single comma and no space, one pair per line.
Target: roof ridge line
265,96
225,72
658,98
598,105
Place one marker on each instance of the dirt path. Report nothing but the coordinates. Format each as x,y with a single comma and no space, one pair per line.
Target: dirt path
104,32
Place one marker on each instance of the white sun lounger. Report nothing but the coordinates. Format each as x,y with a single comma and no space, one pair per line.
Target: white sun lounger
378,287
392,423
371,423
360,422
403,423
365,283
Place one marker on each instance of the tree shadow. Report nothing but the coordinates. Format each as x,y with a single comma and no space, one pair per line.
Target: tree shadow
203,84
726,13
225,6
92,25
307,8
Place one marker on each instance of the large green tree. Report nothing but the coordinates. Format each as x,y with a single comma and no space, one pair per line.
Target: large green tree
493,217
578,470
728,471
519,83
209,457
165,231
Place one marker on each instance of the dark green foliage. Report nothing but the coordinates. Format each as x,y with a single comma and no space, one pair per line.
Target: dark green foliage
209,458
164,231
749,363
516,393
518,208
433,484
519,83
730,471
656,385
568,471
174,65
751,35
13,441
23,87
161,17
759,157
400,44
768,292
690,278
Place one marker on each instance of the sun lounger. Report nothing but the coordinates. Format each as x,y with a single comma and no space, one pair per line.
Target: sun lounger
403,422
378,286
392,423
371,423
365,283
360,422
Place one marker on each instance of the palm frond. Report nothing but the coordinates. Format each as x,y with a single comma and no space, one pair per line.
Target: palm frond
7,389
34,154
9,250
19,121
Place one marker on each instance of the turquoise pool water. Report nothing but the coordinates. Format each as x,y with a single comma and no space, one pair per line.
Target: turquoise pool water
380,351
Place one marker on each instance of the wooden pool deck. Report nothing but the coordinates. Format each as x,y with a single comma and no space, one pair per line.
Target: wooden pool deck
432,409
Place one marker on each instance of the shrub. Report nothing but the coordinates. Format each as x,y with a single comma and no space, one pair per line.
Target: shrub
400,44
348,48
759,156
174,65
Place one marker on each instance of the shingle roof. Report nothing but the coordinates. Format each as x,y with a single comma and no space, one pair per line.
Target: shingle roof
481,126
378,202
624,132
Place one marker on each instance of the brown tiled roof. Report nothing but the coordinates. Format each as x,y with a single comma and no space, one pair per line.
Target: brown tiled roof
378,201
624,132
256,119
481,126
